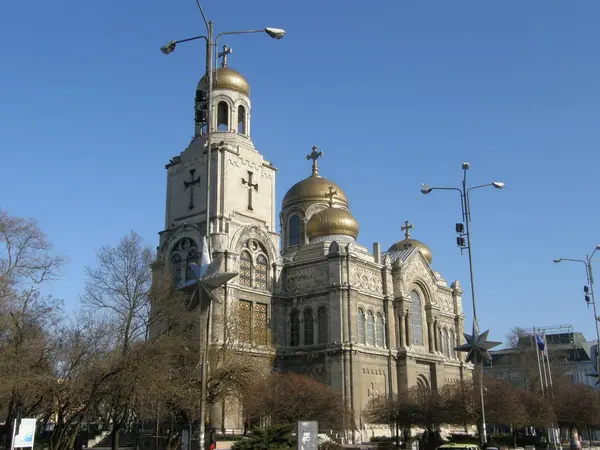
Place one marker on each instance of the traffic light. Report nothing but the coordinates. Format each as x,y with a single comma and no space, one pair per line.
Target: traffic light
201,106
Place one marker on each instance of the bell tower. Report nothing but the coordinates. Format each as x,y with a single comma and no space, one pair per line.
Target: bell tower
242,182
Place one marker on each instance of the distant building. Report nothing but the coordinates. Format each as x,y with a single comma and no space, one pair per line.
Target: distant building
569,353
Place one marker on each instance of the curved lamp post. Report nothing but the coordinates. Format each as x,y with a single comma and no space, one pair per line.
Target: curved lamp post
211,43
589,298
477,345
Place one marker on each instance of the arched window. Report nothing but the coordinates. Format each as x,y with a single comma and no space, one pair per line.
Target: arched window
295,328
241,122
294,232
192,257
223,116
309,330
361,326
260,279
379,333
322,325
245,275
416,320
370,328
176,269
452,345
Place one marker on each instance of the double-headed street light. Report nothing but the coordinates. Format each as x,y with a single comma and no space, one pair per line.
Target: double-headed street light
589,298
211,44
477,345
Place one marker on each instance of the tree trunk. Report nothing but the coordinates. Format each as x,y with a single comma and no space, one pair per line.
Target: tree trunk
114,444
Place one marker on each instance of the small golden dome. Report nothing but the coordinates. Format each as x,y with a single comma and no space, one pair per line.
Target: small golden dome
332,221
407,243
313,189
227,78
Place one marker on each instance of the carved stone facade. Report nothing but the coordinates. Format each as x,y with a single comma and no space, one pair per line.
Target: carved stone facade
364,322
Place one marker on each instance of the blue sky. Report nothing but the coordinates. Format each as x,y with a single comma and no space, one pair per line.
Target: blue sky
395,93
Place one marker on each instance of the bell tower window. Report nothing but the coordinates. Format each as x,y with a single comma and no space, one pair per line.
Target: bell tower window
294,230
245,276
241,122
222,116
184,252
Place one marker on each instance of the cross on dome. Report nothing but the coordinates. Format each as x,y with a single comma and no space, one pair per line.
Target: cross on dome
406,228
332,193
226,51
315,155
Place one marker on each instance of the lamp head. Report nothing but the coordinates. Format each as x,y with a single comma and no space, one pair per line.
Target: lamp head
598,247
426,189
556,261
498,184
168,48
466,166
275,33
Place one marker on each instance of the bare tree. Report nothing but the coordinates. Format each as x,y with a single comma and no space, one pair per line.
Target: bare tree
118,288
27,261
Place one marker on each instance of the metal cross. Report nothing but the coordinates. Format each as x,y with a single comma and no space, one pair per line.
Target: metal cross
190,184
406,228
314,155
332,193
251,187
226,51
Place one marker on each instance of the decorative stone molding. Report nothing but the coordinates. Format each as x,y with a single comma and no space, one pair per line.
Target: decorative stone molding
307,278
366,279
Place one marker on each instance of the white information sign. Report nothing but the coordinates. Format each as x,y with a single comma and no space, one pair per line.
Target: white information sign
26,434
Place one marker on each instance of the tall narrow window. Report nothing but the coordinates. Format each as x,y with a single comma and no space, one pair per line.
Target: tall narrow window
323,325
416,320
245,321
362,320
445,349
309,330
452,345
176,269
192,257
370,328
223,116
245,276
261,324
241,122
295,328
260,280
294,230
379,331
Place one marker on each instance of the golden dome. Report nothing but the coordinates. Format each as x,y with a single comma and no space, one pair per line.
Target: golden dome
227,78
332,221
313,189
408,243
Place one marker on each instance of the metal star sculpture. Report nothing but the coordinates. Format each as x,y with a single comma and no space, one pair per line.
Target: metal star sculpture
207,277
477,346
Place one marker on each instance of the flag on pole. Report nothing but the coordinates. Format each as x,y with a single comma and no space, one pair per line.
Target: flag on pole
540,343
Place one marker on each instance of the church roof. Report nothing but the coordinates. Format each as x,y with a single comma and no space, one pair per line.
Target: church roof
397,255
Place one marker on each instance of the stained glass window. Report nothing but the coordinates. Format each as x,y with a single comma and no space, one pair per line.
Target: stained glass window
416,320
309,330
192,257
446,349
245,321
261,324
361,326
295,328
261,272
370,328
245,275
379,332
294,230
452,345
322,325
176,269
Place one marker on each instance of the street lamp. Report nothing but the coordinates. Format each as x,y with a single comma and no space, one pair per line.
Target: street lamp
211,43
477,344
589,296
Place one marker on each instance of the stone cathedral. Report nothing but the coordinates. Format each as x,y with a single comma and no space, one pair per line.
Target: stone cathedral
363,321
